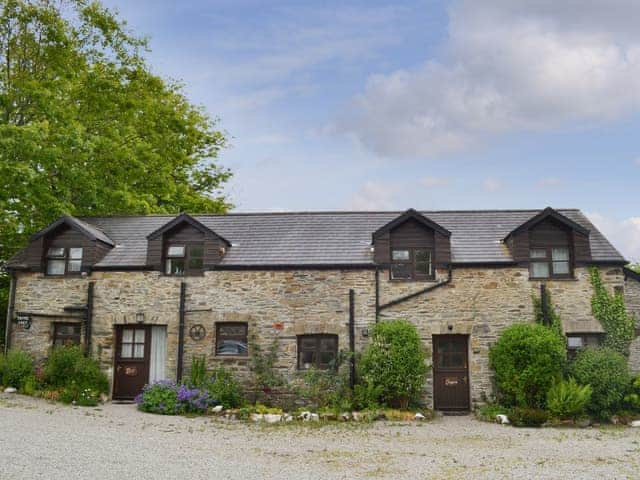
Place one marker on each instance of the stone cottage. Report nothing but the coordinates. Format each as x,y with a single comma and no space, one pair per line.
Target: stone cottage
146,293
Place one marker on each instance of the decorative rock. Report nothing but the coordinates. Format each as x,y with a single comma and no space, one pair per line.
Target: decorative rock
217,409
272,417
345,417
502,419
287,418
584,423
357,416
419,416
256,417
309,417
328,416
10,390
635,423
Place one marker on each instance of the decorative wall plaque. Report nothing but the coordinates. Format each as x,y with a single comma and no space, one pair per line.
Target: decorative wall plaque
451,382
197,332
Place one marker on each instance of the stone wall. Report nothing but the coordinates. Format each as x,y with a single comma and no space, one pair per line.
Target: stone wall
478,302
632,300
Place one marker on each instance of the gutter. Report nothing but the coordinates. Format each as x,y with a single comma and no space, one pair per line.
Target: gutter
88,328
183,294
10,310
430,288
352,340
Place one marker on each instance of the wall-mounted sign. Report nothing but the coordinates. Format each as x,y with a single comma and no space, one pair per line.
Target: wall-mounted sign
197,332
23,320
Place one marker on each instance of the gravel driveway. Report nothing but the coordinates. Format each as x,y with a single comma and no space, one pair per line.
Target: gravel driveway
43,440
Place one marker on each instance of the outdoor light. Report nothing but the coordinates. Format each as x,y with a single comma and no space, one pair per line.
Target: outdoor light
140,317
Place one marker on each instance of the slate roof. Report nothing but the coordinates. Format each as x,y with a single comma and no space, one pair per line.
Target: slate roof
332,238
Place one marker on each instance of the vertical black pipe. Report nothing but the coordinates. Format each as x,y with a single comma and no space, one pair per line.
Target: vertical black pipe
88,326
352,340
183,291
377,293
10,309
543,304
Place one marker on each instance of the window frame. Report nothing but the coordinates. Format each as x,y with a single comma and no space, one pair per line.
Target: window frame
584,336
548,261
412,263
66,258
317,337
186,258
56,335
243,339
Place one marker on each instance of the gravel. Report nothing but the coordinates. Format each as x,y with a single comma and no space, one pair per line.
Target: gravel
43,440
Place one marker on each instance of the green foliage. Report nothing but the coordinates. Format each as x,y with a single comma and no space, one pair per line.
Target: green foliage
86,128
610,310
325,389
263,366
528,358
607,372
568,399
16,369
528,417
225,388
554,318
635,267
394,363
489,412
67,368
632,398
160,398
198,373
366,396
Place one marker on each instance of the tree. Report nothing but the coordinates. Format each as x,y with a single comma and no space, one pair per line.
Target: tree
87,129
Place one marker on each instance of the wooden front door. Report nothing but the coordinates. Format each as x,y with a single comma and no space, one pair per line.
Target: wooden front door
133,345
451,372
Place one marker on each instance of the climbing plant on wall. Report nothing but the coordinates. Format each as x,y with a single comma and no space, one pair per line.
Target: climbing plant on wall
609,309
553,317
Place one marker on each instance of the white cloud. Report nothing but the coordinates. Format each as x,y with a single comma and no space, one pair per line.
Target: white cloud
492,185
624,234
432,182
373,196
637,161
508,65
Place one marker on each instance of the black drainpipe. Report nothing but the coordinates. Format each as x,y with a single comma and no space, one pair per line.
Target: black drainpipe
10,311
183,291
543,304
418,293
377,293
352,340
88,330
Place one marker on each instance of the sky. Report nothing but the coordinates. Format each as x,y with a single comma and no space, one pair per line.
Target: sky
373,105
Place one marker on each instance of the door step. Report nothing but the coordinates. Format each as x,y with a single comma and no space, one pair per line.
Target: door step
455,414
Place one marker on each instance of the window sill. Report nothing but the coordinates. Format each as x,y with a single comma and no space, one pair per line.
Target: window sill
231,357
553,279
412,280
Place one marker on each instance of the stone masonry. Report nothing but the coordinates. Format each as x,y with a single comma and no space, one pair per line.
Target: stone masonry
632,300
478,302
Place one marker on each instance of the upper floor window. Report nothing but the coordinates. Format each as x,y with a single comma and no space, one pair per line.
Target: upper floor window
64,261
411,264
184,259
550,262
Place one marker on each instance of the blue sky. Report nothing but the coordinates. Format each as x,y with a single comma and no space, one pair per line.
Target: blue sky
425,104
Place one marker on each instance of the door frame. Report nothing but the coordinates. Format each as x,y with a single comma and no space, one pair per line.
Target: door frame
117,335
466,338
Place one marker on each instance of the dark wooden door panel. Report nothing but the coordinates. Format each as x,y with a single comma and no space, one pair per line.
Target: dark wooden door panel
133,345
451,372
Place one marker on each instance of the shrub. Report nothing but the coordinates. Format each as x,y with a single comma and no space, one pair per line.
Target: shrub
168,398
16,369
567,399
632,399
67,368
225,388
366,396
528,358
608,374
528,417
489,412
198,374
394,363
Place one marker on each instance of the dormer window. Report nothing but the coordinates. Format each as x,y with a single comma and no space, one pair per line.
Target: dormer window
411,264
550,262
64,261
184,259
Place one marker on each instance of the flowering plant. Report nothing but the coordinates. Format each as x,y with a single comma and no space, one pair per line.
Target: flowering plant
168,398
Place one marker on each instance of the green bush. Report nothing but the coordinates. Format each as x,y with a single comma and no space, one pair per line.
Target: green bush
528,358
489,412
67,368
528,417
568,399
225,388
198,373
394,363
632,398
608,374
366,396
325,389
16,368
160,398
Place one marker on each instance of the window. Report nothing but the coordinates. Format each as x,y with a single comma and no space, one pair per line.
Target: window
576,341
411,263
133,341
65,334
231,339
319,351
184,259
552,262
64,261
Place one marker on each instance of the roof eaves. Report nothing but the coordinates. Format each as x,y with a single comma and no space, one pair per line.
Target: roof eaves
82,227
411,214
185,218
544,214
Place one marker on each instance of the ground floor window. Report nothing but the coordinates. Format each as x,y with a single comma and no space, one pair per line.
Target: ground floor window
231,339
66,333
317,351
576,341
